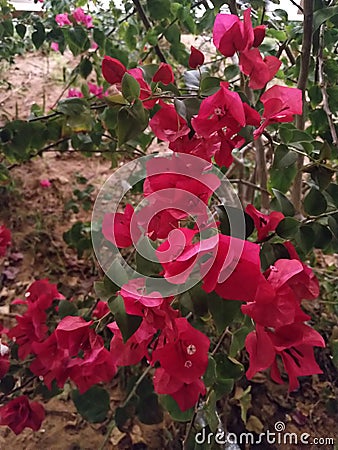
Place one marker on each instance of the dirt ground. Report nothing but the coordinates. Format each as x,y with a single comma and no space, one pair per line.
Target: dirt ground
38,219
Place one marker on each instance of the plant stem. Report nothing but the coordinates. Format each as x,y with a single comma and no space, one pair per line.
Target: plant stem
322,85
302,82
145,20
262,173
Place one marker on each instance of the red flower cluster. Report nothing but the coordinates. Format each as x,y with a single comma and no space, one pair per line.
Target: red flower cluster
180,349
21,413
5,239
73,350
231,35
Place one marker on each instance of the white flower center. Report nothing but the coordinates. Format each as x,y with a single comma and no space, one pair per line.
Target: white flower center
188,364
191,349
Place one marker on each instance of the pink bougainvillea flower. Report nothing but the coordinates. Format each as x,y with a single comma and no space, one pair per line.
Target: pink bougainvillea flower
228,34
293,343
228,141
167,124
41,294
275,302
187,357
62,19
196,58
80,17
50,362
264,223
4,359
71,333
94,366
281,103
259,35
231,35
20,413
54,46
222,109
252,117
112,70
164,74
100,310
260,70
45,183
116,228
74,93
145,92
95,90
135,348
186,395
306,285
303,283
136,299
31,328
5,239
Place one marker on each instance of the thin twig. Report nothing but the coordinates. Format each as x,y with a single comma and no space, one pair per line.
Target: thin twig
145,20
322,85
302,82
248,183
262,173
297,6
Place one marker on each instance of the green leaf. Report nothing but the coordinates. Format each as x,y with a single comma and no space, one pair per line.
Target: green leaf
130,88
322,15
131,122
323,235
230,72
271,252
159,9
210,374
72,106
172,407
223,311
99,37
210,85
234,221
314,203
315,95
305,238
93,405
67,308
127,323
173,34
149,411
238,340
333,225
77,39
322,176
227,367
332,190
21,29
85,68
210,410
283,169
105,289
282,204
39,35
287,228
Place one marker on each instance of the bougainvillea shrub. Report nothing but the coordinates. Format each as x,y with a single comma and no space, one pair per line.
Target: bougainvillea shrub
201,261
